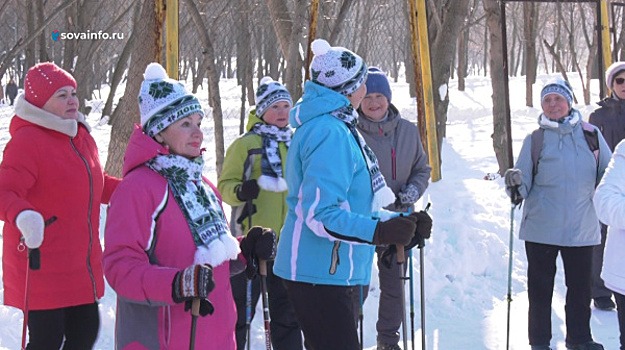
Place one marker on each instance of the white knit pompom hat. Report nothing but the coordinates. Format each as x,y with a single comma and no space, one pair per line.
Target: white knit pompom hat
269,92
337,68
162,100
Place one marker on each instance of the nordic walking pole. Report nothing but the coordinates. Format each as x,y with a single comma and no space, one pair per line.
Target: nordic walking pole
401,260
514,201
361,318
411,286
33,263
248,286
421,245
262,267
195,312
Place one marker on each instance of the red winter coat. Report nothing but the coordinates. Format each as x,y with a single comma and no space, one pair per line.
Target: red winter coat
51,165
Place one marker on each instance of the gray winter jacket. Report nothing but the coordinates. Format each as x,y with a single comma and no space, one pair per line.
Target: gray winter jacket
397,145
558,207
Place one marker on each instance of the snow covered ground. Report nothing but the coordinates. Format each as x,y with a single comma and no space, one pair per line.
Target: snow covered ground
466,260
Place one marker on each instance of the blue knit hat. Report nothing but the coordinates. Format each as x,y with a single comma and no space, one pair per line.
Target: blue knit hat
560,87
377,82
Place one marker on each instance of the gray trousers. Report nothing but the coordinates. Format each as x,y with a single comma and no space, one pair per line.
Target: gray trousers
390,308
598,287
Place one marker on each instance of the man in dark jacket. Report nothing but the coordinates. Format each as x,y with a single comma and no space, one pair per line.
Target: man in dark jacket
610,119
11,90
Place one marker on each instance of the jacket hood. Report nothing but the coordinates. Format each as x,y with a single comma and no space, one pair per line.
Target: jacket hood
562,128
45,119
387,125
253,119
316,101
141,148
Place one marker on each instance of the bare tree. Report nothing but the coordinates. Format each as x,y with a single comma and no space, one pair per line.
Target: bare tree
530,59
127,112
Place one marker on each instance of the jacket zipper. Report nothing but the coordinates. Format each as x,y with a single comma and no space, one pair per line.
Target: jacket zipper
89,223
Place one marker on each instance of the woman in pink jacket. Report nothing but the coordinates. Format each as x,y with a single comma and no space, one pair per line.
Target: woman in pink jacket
167,238
51,187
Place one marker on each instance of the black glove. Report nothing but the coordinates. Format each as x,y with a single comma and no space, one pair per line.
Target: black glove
248,190
258,244
398,230
195,281
206,307
424,224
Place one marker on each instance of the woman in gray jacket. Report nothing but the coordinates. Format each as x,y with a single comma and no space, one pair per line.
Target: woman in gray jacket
403,162
558,215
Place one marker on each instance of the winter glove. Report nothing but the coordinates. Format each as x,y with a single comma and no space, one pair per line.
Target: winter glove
258,244
424,224
30,223
408,195
398,230
248,190
513,179
195,281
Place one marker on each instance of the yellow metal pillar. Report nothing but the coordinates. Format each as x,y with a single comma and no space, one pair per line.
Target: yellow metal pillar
425,97
312,33
171,38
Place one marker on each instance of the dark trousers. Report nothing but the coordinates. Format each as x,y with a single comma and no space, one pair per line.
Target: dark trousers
620,309
598,287
391,303
541,261
76,325
285,331
326,314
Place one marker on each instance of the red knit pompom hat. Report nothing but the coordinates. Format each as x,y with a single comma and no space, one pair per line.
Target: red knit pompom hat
42,81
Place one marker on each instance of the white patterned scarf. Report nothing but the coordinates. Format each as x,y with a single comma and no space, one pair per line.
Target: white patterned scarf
382,194
272,178
200,207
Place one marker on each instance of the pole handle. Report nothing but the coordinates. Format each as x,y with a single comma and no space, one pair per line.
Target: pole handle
401,256
195,307
262,267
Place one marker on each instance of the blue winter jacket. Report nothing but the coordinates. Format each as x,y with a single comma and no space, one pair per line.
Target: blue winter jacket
558,207
326,238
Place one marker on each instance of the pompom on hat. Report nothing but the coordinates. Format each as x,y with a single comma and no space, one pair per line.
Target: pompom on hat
560,87
377,82
163,101
43,80
269,92
615,69
337,68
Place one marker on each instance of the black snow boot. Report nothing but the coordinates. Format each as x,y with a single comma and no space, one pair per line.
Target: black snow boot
591,345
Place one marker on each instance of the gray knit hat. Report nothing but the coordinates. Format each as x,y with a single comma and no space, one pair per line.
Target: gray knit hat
269,92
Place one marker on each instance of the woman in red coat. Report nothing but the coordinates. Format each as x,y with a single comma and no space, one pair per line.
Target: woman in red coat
51,187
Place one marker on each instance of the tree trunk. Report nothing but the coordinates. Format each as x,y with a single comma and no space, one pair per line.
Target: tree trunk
449,18
122,63
281,19
213,83
30,26
127,112
529,28
496,52
43,53
463,40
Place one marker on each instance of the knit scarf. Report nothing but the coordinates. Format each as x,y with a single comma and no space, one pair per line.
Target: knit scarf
200,207
272,178
382,194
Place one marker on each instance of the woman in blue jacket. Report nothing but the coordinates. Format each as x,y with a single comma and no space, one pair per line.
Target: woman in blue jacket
558,215
336,192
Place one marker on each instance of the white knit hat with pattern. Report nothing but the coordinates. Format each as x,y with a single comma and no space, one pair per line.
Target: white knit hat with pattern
269,92
337,68
162,101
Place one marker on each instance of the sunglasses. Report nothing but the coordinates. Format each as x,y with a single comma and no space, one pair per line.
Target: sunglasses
619,81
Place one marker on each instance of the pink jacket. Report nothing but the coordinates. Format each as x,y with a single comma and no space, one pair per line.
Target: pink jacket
147,241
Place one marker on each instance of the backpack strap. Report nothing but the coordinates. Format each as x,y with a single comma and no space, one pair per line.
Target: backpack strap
538,136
